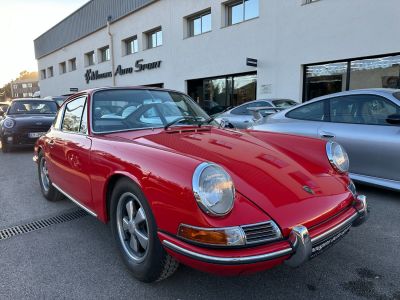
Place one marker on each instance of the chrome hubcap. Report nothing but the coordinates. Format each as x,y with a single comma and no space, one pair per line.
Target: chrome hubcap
132,227
44,175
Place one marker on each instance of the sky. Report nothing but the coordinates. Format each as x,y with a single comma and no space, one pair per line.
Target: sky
22,21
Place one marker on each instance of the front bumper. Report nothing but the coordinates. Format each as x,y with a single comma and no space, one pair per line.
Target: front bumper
299,248
18,139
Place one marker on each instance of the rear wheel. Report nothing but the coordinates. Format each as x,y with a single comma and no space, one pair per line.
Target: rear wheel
135,232
48,190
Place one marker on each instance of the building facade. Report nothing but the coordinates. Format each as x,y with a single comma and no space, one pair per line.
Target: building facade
24,88
224,53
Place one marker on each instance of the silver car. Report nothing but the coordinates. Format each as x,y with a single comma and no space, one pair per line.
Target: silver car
243,115
365,122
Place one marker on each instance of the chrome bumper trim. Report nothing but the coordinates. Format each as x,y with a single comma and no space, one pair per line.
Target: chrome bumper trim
75,201
227,260
344,224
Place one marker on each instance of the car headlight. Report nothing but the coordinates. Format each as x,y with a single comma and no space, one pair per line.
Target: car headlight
337,157
9,123
213,189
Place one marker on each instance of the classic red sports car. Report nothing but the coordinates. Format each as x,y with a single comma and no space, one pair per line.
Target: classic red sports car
176,187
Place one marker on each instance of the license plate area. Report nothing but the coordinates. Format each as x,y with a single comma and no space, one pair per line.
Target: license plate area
326,243
35,135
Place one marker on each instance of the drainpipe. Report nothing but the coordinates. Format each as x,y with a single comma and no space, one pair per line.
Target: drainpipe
111,49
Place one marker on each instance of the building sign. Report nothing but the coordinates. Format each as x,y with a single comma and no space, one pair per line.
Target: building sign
139,67
251,62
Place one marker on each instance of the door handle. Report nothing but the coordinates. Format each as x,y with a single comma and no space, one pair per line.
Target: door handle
327,135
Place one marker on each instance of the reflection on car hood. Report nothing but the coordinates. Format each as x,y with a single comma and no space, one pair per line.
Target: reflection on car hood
271,178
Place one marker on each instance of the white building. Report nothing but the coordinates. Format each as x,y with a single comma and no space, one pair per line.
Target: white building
303,48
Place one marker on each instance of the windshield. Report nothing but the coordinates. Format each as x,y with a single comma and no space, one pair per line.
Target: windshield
284,103
33,107
118,110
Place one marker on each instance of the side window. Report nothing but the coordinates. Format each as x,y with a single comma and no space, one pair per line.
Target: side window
58,119
374,110
311,112
73,115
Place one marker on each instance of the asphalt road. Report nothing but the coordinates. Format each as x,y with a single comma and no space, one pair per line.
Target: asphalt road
78,260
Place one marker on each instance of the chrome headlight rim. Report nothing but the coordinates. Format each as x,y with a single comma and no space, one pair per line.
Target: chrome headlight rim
9,126
330,146
197,189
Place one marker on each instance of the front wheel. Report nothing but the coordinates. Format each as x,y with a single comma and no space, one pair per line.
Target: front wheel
48,190
135,232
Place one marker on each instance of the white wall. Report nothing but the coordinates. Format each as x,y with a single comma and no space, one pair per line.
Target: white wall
286,36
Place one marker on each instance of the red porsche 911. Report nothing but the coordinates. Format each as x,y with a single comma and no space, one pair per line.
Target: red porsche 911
177,188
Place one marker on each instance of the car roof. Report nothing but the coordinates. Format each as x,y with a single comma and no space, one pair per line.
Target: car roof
93,90
32,99
376,91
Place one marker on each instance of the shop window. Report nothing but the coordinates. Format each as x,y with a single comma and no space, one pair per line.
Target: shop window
199,23
89,59
131,45
105,54
240,11
325,79
72,64
154,38
375,73
63,67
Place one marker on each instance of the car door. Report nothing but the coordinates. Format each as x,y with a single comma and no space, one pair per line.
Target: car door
70,153
358,122
303,120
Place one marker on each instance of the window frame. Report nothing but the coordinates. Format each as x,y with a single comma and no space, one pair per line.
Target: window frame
104,54
228,10
199,15
127,42
62,67
149,35
88,55
64,107
72,64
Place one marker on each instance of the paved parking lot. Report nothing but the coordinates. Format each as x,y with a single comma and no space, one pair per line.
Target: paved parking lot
77,259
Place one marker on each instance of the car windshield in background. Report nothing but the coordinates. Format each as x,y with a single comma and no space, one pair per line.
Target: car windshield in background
283,103
397,95
33,107
120,110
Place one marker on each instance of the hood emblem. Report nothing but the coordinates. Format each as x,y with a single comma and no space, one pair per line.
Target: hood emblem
308,190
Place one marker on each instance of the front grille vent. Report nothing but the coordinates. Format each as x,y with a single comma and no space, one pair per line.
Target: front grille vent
36,225
262,233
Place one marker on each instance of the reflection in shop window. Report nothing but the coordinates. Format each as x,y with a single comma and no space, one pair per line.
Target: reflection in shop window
375,73
325,79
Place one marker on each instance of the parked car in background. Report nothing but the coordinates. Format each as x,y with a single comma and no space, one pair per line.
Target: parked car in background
177,188
242,116
25,121
365,122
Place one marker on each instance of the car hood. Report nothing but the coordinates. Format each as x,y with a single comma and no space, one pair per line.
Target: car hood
271,178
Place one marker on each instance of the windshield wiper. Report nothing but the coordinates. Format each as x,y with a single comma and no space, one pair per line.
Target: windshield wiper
177,120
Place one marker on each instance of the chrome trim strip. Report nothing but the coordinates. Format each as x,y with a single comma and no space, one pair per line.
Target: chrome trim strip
376,181
337,227
227,260
75,201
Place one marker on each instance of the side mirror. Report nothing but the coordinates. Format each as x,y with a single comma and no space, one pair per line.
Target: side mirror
393,119
224,123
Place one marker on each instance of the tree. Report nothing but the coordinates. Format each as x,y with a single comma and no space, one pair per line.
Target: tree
27,75
5,92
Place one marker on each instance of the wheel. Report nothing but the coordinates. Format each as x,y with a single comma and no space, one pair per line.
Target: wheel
48,190
135,231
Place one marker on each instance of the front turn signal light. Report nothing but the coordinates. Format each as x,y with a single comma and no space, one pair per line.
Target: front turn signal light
230,236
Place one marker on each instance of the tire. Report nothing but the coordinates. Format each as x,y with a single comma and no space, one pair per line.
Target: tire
147,261
48,190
